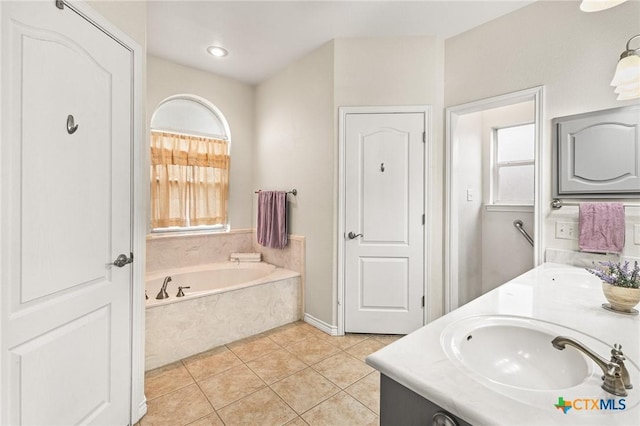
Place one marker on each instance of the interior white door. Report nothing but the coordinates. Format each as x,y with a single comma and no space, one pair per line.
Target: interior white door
66,216
384,207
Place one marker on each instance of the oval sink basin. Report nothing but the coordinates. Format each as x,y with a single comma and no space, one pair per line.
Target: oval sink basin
515,352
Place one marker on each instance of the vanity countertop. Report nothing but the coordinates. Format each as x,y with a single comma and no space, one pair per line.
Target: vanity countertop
560,294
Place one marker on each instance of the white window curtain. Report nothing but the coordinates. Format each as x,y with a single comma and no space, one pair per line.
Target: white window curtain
189,180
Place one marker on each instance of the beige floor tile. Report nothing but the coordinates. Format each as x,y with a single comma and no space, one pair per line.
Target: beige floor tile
304,390
211,362
166,379
313,330
263,407
365,348
297,422
177,408
367,391
211,420
281,328
312,350
252,348
342,369
341,409
344,342
276,365
387,339
289,335
230,386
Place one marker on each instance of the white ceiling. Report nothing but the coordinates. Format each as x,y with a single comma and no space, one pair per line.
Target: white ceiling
263,37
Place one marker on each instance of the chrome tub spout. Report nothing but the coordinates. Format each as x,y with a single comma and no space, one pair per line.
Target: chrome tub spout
162,294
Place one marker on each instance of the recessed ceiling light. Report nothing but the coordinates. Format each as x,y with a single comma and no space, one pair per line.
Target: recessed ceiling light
217,51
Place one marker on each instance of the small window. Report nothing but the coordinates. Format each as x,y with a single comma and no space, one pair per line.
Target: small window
189,166
513,165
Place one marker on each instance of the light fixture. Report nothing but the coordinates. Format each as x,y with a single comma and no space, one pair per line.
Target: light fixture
598,5
627,77
217,51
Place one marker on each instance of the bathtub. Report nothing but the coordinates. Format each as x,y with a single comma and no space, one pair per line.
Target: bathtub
225,302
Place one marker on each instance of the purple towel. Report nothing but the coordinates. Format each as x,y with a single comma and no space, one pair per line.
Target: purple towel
272,219
601,227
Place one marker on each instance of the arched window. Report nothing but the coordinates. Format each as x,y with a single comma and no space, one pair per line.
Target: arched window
189,165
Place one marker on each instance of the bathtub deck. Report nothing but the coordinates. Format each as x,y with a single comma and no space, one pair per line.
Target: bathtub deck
294,373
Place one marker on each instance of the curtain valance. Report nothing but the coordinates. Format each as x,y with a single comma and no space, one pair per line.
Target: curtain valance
183,150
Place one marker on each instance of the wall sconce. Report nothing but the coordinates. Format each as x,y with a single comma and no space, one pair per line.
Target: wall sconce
598,5
627,77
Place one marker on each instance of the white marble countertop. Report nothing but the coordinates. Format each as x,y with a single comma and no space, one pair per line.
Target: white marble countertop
560,294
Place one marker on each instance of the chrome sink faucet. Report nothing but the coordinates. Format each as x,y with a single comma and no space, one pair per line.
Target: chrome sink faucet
618,357
613,381
162,294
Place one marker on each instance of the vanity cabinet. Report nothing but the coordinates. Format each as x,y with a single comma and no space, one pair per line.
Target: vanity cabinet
597,154
401,406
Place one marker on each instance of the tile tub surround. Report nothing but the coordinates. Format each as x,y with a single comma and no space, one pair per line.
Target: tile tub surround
179,250
264,380
170,251
586,260
560,294
177,330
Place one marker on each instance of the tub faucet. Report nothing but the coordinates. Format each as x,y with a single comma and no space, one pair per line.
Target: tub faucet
612,378
162,294
180,292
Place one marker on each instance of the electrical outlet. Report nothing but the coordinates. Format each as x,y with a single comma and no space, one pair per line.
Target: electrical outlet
636,234
567,230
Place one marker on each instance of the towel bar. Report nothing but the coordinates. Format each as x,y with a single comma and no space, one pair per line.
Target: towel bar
557,204
293,191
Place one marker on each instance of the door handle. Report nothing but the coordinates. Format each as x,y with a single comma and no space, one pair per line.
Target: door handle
351,235
123,260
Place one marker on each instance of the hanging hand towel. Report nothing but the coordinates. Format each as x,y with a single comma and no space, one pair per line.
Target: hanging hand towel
601,227
272,219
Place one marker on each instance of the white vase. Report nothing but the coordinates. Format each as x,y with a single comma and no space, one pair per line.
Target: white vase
621,299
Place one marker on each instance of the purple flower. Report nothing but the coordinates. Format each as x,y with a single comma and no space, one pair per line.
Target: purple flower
618,274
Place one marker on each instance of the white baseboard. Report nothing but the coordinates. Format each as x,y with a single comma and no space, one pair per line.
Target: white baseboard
331,330
142,410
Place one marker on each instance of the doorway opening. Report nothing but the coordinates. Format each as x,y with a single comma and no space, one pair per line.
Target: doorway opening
493,190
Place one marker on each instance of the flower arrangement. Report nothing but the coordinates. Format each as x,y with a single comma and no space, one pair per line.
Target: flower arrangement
617,274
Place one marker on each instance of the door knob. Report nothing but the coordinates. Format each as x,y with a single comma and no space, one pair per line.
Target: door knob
351,235
123,260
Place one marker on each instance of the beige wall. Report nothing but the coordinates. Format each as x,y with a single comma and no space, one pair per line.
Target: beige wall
236,101
468,160
402,71
295,149
572,53
293,115
129,16
297,143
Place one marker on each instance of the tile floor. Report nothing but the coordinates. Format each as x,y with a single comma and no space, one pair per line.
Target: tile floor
293,375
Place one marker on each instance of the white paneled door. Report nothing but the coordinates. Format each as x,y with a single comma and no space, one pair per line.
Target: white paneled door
66,216
384,234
